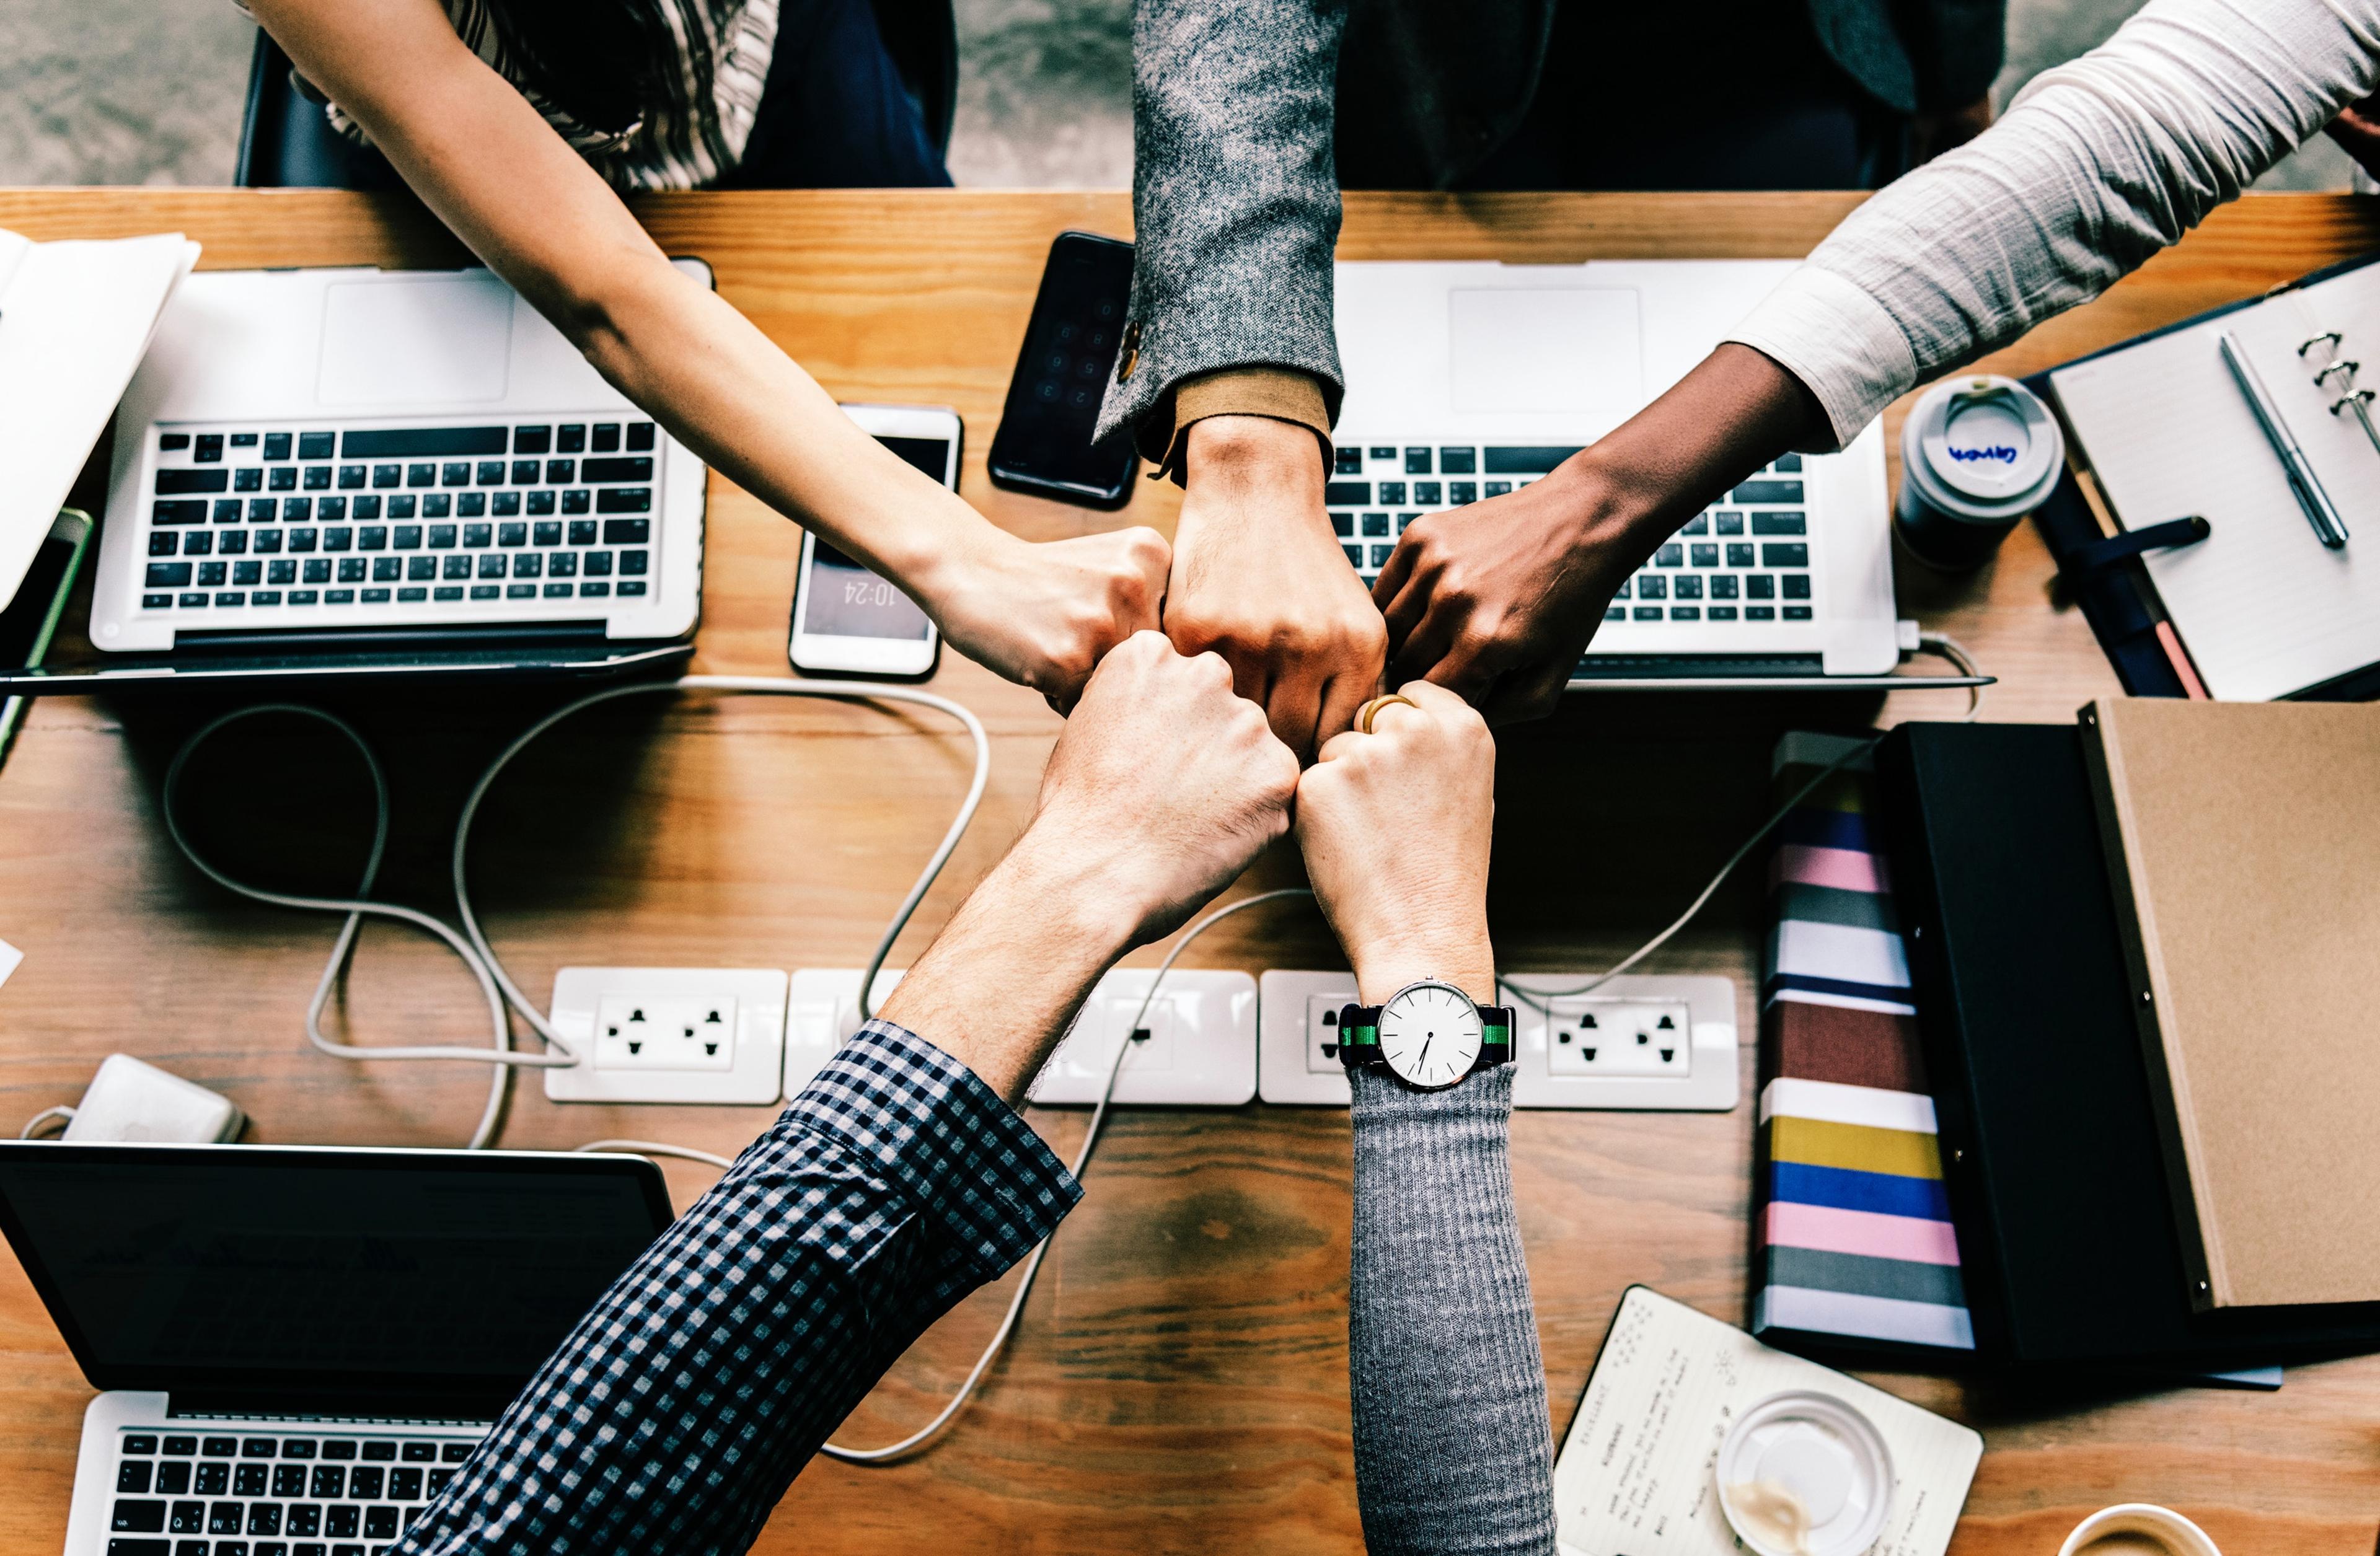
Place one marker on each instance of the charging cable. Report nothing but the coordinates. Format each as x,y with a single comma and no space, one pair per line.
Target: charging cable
471,945
1941,643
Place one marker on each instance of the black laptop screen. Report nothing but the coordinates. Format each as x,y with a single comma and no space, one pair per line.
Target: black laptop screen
254,1269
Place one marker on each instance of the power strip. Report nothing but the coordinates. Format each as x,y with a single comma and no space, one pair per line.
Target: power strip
1637,1043
1201,1049
670,1035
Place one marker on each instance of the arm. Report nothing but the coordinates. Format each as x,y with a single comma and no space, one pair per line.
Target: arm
1235,203
2099,164
485,160
1454,1440
678,1411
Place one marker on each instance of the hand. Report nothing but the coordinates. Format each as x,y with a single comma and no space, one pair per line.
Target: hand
1395,827
2357,130
1162,788
1044,614
1498,599
1258,577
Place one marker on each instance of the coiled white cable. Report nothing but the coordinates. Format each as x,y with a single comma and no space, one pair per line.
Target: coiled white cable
472,945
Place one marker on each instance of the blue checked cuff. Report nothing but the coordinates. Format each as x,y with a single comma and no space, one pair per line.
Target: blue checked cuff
958,1152
678,1411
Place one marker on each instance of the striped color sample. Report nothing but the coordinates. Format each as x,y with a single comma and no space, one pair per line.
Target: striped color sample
1852,1234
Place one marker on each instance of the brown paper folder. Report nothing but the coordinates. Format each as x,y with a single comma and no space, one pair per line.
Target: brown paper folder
2244,842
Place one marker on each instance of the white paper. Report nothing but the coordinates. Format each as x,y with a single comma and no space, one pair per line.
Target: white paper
1638,1473
10,957
75,319
2264,607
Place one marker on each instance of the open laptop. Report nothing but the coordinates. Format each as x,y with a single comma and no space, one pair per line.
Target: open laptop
381,472
299,1344
1466,379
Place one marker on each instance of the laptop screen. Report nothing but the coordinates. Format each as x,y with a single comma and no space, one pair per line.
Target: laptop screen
259,1271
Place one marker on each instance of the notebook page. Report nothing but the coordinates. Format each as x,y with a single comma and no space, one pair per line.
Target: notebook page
1638,1477
2264,608
75,320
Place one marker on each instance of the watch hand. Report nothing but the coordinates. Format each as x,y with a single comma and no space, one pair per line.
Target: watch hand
1424,1057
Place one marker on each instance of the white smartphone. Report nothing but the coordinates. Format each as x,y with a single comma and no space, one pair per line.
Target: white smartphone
847,621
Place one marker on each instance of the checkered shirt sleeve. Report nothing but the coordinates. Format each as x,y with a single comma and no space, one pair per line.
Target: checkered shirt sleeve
678,1411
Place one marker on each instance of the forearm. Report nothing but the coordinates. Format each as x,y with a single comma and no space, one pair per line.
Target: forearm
1002,982
1453,1441
2100,163
673,1417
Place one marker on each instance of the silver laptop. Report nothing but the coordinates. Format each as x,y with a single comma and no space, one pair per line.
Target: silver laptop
1468,380
299,1346
387,461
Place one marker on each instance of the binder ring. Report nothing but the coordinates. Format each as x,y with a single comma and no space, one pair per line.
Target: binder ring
2345,364
2308,344
2356,398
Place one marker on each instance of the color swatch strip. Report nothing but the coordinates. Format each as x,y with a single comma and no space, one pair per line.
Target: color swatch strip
1853,1233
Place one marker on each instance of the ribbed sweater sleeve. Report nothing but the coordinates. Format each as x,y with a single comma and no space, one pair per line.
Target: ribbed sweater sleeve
1453,1441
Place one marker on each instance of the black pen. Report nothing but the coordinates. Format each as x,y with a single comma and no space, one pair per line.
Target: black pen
2327,525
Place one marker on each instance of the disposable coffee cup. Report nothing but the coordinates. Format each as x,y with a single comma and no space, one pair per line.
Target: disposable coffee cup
1977,455
2137,1529
1805,1474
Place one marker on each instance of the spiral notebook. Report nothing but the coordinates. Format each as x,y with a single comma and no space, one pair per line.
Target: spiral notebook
2263,607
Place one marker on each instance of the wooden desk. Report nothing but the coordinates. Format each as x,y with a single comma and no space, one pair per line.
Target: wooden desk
1180,1379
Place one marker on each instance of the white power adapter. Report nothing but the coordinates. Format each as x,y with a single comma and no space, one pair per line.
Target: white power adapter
130,1101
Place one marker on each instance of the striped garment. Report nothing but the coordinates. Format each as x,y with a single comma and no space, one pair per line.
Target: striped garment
689,140
1853,1235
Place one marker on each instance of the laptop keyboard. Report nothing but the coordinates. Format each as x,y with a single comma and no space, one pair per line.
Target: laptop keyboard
1747,558
319,1494
250,524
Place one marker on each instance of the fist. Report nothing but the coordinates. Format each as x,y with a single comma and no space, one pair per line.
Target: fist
1044,614
1164,786
1395,827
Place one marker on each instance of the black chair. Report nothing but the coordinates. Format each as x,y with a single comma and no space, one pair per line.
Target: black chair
286,143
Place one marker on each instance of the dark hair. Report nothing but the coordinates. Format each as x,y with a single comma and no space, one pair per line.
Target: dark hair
601,61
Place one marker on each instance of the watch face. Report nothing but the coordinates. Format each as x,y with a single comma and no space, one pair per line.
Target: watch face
1430,1035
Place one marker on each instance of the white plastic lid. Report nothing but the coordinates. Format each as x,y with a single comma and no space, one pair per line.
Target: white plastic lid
1983,443
1824,1455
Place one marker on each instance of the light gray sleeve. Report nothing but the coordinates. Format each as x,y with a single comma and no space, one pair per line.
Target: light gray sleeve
1453,1441
1235,196
2100,163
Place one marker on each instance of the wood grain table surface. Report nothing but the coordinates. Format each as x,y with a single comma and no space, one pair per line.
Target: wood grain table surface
1179,1381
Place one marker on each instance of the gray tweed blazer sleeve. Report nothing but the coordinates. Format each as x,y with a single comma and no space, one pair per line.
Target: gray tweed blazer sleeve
1235,196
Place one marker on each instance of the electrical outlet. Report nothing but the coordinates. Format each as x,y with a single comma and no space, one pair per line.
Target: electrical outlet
1690,1063
1200,1051
1639,1042
1297,1036
1594,1036
670,1035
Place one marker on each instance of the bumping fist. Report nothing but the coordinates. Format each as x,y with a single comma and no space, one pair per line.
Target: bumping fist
1164,786
1395,827
1043,614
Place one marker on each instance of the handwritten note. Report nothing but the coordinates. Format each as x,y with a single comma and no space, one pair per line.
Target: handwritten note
1637,1474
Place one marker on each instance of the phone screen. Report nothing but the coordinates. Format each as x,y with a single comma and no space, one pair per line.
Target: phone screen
22,619
844,599
1071,344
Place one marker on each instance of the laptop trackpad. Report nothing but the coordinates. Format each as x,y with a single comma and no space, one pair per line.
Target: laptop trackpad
432,338
1570,348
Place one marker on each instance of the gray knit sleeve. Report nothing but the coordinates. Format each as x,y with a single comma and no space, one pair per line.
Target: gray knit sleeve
1453,1442
1234,199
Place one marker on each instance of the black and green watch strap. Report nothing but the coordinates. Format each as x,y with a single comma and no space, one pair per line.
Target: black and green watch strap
1359,1035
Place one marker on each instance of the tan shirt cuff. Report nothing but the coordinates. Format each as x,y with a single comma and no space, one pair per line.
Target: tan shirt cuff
1284,394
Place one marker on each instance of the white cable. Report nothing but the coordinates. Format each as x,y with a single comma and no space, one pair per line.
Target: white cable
1540,999
33,1126
472,945
1082,1159
655,1148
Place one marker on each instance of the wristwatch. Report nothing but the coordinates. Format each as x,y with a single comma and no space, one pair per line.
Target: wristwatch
1428,1035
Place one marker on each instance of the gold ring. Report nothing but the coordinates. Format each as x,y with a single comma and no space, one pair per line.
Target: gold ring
1370,710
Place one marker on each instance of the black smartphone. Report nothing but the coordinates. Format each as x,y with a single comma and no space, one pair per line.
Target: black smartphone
1044,442
30,616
